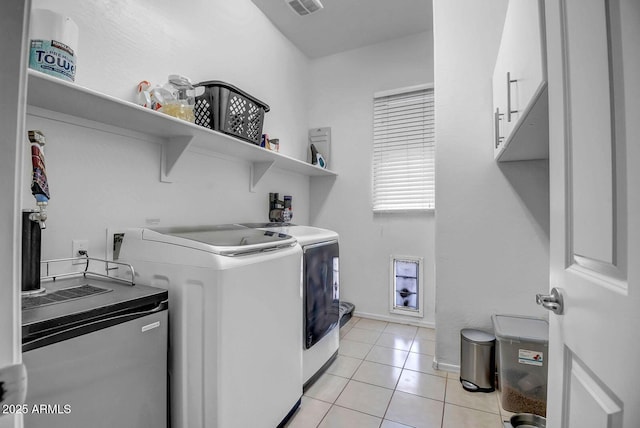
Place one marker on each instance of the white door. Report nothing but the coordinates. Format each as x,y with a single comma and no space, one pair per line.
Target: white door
594,109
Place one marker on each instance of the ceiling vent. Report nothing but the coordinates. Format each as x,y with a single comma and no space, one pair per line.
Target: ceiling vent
304,7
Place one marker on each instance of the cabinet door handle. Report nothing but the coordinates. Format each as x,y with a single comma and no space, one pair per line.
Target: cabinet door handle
509,82
497,117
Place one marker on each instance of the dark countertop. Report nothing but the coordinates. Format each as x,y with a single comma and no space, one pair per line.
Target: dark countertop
116,298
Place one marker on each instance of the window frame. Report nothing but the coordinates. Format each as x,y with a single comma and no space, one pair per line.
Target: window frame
430,201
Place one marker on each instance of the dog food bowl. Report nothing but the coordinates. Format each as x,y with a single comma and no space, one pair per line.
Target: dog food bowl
528,420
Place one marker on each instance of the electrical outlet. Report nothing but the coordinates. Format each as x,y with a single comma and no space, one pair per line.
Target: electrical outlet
78,247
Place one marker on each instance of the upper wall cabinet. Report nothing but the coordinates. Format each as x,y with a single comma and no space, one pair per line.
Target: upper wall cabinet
520,103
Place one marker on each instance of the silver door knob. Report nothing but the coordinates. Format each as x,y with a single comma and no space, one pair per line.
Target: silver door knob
552,301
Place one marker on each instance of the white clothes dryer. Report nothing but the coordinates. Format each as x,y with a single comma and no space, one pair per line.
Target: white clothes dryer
321,295
234,324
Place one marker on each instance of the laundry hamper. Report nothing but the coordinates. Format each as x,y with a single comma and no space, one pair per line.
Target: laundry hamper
228,109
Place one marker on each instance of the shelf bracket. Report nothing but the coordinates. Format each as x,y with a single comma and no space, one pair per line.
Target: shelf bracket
258,170
172,150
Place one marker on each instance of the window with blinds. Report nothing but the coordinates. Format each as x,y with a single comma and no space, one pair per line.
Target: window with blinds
404,150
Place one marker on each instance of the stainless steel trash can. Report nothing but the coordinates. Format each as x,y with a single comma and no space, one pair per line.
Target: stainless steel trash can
477,360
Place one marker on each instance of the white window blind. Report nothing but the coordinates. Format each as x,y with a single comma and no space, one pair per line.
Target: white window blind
403,150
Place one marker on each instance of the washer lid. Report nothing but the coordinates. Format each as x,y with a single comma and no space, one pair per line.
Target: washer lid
228,240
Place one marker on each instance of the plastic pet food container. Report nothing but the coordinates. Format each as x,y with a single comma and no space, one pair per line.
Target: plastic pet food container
522,351
225,108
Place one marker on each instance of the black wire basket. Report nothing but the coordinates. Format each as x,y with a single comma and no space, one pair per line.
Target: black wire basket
225,108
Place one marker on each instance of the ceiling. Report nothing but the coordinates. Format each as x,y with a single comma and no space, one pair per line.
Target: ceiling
348,24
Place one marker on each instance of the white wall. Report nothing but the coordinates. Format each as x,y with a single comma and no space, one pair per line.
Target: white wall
100,179
342,98
492,220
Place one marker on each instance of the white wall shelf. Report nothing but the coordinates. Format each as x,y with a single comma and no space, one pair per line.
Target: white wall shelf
178,136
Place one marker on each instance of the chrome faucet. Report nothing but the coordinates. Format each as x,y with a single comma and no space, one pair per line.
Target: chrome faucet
40,215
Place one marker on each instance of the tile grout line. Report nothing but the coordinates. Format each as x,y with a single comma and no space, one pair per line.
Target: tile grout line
447,379
472,408
395,388
402,368
350,378
444,403
332,404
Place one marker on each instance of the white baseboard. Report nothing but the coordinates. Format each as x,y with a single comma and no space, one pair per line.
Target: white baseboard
397,320
445,367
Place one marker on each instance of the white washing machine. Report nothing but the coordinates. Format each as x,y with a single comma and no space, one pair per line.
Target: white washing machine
234,324
321,293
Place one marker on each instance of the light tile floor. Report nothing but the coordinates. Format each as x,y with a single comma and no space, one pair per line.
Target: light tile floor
384,378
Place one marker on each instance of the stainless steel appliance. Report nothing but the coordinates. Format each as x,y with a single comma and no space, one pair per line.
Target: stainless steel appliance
95,349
